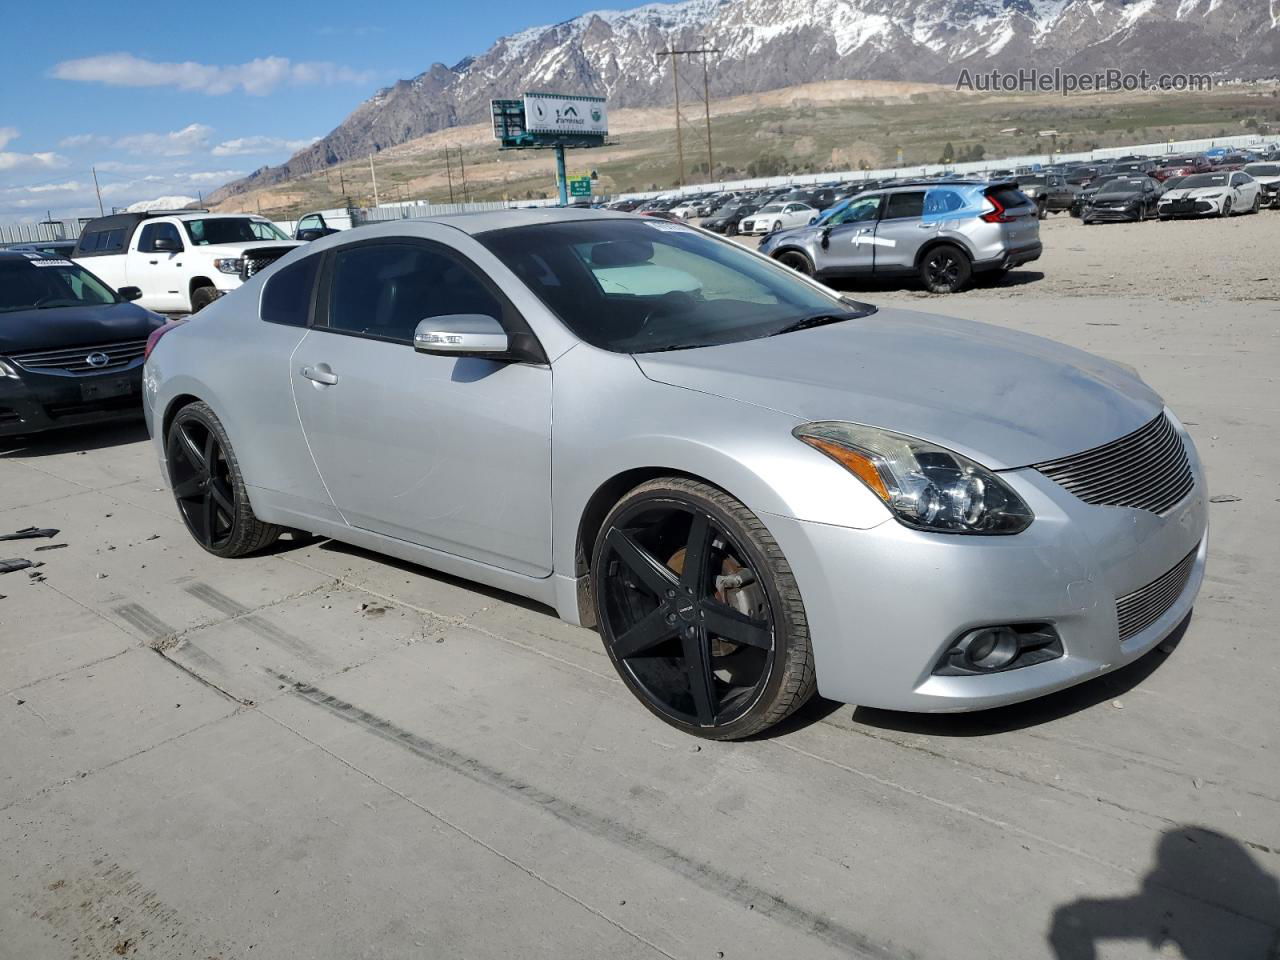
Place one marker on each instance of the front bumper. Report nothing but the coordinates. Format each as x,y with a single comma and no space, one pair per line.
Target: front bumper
884,604
38,402
1112,214
1198,208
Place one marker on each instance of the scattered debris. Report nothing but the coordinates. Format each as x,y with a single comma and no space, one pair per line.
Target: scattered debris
695,748
17,563
50,546
1197,783
154,536
1225,498
1117,704
29,533
1095,323
102,576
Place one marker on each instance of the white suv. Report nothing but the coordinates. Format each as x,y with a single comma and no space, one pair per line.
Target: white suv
181,261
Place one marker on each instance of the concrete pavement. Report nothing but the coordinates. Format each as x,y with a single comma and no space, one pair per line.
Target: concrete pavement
324,753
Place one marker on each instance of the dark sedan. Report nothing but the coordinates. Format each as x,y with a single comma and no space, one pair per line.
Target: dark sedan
71,348
727,218
1124,198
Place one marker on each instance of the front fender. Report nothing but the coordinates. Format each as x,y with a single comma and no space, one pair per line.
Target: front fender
611,420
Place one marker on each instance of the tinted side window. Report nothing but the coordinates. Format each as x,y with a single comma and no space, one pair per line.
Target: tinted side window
153,232
386,289
287,296
900,205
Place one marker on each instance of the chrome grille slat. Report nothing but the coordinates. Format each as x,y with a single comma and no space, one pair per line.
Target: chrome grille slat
1145,470
1140,609
75,359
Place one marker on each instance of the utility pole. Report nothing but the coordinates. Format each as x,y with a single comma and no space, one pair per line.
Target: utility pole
463,165
374,177
675,56
342,183
96,189
448,169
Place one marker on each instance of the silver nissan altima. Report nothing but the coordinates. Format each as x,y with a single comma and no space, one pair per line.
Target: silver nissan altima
752,487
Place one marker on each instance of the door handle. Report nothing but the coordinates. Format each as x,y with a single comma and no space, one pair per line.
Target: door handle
153,262
324,376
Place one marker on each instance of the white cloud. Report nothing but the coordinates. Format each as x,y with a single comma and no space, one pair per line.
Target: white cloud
9,160
76,141
259,144
77,197
258,77
192,138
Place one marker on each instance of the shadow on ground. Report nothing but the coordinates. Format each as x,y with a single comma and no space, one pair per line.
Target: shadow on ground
1205,894
73,440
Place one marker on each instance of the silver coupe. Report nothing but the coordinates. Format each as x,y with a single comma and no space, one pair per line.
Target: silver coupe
752,487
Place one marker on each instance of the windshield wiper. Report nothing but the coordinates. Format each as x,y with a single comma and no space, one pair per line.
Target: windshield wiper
815,320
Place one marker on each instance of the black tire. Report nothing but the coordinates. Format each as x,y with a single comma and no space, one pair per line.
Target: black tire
209,488
1257,202
1226,207
731,229
658,615
945,269
201,297
1042,210
797,260
777,225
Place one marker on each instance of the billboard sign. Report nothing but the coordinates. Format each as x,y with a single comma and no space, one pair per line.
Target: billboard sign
508,118
558,114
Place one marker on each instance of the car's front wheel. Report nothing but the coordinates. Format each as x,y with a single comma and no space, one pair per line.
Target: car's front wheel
206,481
1226,207
797,261
699,610
945,269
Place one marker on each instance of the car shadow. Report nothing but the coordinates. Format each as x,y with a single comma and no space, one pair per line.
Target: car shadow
1205,894
81,439
982,281
1020,716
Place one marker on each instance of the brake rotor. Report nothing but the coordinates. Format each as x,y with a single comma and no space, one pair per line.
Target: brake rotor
744,599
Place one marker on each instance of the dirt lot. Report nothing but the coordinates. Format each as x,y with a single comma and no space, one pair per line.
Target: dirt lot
323,753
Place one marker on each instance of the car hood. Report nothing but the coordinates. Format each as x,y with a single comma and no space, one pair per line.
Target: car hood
1003,398
232,249
1176,194
57,327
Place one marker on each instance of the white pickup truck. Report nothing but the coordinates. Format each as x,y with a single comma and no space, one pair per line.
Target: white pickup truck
182,260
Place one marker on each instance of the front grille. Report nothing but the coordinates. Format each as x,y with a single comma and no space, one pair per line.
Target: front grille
1146,470
254,261
76,408
1138,610
75,360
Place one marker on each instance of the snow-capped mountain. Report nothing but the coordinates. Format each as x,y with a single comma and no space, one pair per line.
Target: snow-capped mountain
767,44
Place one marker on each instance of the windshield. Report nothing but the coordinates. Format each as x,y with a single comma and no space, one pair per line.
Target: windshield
1121,186
1263,169
42,283
1204,180
1030,181
231,230
633,287
772,208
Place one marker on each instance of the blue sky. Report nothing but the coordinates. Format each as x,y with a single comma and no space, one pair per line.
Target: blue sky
173,98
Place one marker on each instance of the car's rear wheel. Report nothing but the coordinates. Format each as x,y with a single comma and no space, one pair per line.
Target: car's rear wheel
945,269
699,610
208,487
797,261
1042,209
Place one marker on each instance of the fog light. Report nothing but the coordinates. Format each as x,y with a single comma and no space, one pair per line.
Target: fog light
998,648
991,648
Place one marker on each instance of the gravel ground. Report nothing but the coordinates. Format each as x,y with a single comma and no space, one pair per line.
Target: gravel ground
322,753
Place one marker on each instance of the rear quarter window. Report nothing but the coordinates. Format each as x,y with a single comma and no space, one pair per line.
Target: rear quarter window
1009,197
286,298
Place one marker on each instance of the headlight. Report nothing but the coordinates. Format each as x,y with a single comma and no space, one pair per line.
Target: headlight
1210,196
229,264
924,486
7,371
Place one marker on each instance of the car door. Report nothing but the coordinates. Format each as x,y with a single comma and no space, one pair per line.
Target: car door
452,453
1150,197
848,237
902,230
1246,189
158,273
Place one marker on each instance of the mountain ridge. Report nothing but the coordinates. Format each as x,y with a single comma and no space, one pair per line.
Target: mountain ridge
769,44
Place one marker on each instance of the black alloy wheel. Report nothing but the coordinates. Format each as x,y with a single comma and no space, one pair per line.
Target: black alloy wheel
945,269
699,611
207,485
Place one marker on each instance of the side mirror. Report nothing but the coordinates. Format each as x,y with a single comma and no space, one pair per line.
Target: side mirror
826,237
166,245
462,334
313,233
129,294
